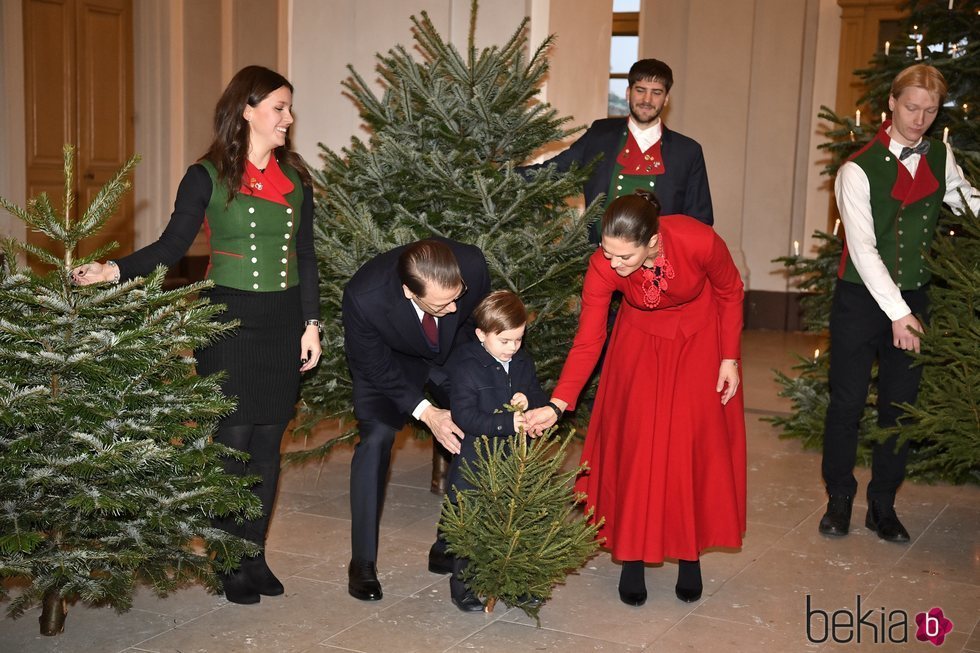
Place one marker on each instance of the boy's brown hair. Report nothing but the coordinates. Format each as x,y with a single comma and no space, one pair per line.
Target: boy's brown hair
499,311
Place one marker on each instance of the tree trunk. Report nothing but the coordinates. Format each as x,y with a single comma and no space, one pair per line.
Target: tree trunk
53,612
488,607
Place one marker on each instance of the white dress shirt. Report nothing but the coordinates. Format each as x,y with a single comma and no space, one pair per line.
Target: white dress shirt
646,138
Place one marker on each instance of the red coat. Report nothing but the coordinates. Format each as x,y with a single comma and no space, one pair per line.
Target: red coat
667,460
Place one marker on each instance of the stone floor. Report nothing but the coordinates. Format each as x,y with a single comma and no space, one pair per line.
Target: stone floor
754,599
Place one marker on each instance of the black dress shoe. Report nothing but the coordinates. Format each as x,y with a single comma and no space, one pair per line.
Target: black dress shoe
882,520
261,577
440,562
837,520
632,586
468,602
362,580
238,588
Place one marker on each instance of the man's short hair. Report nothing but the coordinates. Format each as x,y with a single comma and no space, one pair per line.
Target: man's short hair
923,76
426,262
651,70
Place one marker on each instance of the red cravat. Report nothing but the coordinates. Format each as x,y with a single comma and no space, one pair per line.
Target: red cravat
431,329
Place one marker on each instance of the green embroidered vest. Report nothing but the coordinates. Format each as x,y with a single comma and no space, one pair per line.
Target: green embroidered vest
621,184
253,240
903,233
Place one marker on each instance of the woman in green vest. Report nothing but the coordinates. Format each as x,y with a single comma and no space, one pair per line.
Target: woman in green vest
253,195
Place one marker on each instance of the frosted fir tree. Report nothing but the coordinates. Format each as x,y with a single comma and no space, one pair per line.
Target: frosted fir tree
445,133
108,475
519,526
944,426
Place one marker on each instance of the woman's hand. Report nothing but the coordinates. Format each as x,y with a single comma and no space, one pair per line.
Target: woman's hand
541,419
86,275
519,400
309,348
727,379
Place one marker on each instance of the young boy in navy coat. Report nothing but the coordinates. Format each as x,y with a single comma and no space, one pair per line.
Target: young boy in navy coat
484,376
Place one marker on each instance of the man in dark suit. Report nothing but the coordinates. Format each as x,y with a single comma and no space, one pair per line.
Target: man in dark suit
639,151
403,315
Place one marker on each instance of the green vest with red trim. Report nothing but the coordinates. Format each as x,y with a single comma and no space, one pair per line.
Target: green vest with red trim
904,210
641,171
253,238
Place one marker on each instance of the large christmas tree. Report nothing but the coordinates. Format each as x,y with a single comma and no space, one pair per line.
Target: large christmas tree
945,425
445,134
107,471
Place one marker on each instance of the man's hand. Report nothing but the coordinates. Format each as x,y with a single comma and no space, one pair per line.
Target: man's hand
902,335
440,422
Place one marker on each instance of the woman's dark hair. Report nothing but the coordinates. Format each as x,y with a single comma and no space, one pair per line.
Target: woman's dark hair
633,218
229,149
501,310
428,261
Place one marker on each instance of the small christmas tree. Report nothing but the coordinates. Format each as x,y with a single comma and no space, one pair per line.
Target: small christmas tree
518,527
107,471
445,134
943,426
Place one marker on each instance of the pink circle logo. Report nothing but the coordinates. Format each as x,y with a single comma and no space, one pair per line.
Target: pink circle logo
933,626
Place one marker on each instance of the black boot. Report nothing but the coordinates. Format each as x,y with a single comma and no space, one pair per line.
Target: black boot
632,584
461,594
837,520
261,577
689,586
440,469
882,520
238,588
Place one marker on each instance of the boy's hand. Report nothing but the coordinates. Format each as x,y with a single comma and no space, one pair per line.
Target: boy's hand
519,400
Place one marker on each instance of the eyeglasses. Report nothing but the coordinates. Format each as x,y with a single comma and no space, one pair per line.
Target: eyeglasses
439,309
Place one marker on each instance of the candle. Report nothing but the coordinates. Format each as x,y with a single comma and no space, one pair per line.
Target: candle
857,118
918,52
796,248
888,46
951,5
883,116
852,136
836,226
816,355
945,134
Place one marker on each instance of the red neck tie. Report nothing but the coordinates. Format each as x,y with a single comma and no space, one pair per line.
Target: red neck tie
431,330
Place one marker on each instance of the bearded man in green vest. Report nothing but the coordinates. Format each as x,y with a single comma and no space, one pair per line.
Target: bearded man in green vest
889,194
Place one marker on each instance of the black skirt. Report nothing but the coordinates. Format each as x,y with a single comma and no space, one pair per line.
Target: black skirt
261,358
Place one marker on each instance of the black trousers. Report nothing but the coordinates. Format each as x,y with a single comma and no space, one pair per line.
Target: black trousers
861,333
369,477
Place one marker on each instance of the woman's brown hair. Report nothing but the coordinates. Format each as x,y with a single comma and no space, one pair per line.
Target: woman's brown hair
633,218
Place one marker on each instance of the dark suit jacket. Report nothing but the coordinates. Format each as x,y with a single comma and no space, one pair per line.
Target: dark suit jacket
480,387
683,188
389,359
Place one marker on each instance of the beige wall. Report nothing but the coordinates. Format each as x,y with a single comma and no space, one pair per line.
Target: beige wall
744,88
13,178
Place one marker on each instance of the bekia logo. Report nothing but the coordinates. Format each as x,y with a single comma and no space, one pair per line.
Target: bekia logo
933,626
873,625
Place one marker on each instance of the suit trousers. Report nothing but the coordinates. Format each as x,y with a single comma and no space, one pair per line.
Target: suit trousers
861,333
369,477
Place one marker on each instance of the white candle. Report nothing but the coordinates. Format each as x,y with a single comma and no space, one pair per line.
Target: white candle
796,248
888,46
945,134
883,116
918,52
857,118
816,355
951,5
836,226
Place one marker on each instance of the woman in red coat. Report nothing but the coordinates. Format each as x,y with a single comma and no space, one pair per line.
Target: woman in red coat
666,443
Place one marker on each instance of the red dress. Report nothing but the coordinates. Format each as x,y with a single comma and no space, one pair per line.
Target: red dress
666,459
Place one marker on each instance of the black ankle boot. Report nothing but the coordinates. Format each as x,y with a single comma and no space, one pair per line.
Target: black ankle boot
238,588
632,585
689,586
261,577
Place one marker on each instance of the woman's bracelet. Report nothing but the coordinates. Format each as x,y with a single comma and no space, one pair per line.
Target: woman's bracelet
316,323
115,271
554,407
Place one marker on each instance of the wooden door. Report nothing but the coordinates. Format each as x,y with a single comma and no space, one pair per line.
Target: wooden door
78,90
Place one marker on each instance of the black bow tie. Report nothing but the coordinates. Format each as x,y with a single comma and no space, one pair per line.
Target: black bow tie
921,148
